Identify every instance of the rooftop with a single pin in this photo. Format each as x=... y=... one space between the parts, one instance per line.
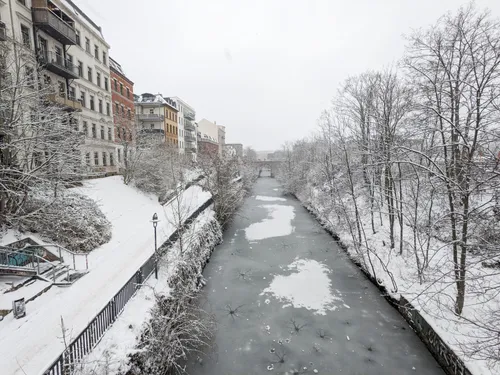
x=147 y=98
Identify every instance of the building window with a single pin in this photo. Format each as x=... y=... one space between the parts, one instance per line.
x=104 y=58
x=72 y=93
x=108 y=109
x=128 y=93
x=123 y=111
x=124 y=135
x=89 y=74
x=151 y=111
x=22 y=2
x=119 y=156
x=117 y=109
x=96 y=158
x=111 y=161
x=109 y=134
x=98 y=79
x=116 y=85
x=77 y=37
x=102 y=131
x=85 y=128
x=92 y=105
x=30 y=77
x=104 y=159
x=25 y=32
x=80 y=69
x=82 y=99
x=96 y=52
x=129 y=114
x=106 y=84
x=152 y=126
x=100 y=106
x=118 y=134
x=87 y=158
x=87 y=45
x=121 y=88
x=94 y=131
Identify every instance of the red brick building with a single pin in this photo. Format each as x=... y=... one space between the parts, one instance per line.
x=122 y=95
x=207 y=145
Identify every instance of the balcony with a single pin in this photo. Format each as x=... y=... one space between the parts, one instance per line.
x=189 y=137
x=58 y=65
x=188 y=125
x=150 y=117
x=189 y=115
x=54 y=22
x=191 y=147
x=67 y=102
x=153 y=131
x=3 y=32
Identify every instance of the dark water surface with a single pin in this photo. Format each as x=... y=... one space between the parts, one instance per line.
x=355 y=332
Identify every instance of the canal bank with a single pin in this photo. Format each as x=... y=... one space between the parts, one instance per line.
x=288 y=300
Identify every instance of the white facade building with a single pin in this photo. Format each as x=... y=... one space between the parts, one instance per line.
x=187 y=127
x=90 y=55
x=209 y=129
x=71 y=49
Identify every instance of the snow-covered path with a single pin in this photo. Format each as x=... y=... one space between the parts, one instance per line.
x=301 y=306
x=31 y=344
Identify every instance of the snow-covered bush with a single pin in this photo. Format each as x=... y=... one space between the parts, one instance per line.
x=70 y=219
x=179 y=325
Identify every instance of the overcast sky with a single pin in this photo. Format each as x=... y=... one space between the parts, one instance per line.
x=265 y=69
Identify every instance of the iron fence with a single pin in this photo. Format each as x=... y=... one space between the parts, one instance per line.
x=93 y=333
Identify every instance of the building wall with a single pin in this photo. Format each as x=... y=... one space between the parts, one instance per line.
x=207 y=148
x=99 y=151
x=171 y=126
x=209 y=128
x=185 y=144
x=123 y=111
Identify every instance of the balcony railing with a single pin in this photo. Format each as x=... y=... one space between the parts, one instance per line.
x=3 y=32
x=52 y=24
x=68 y=102
x=153 y=131
x=189 y=115
x=189 y=138
x=58 y=65
x=191 y=146
x=150 y=117
x=188 y=125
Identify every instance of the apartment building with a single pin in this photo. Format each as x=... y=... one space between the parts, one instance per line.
x=171 y=122
x=122 y=95
x=150 y=115
x=187 y=127
x=73 y=53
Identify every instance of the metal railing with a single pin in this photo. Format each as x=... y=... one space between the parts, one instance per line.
x=150 y=117
x=23 y=260
x=189 y=115
x=188 y=125
x=49 y=21
x=58 y=62
x=93 y=333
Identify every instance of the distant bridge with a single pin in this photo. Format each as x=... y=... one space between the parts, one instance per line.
x=271 y=165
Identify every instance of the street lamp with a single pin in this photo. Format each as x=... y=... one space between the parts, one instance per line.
x=155 y=224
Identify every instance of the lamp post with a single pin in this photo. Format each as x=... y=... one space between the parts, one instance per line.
x=155 y=223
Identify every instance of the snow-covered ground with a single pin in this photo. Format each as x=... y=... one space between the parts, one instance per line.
x=110 y=355
x=434 y=297
x=29 y=345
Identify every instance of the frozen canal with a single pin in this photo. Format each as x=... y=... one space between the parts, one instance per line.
x=299 y=305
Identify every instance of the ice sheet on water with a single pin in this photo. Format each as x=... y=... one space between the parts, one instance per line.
x=277 y=224
x=309 y=287
x=269 y=199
